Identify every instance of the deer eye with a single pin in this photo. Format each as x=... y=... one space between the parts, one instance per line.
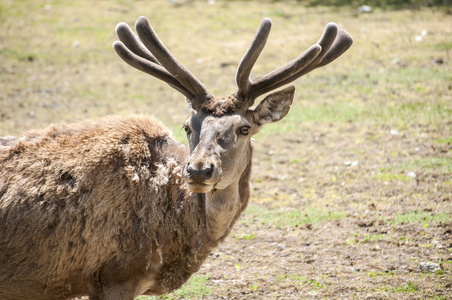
x=187 y=129
x=245 y=130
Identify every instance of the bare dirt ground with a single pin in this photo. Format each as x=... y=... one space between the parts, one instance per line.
x=362 y=255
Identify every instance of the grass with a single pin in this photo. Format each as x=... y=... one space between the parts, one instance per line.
x=426 y=218
x=291 y=277
x=300 y=280
x=405 y=115
x=244 y=236
x=196 y=287
x=400 y=171
x=290 y=218
x=444 y=140
x=375 y=237
x=439 y=164
x=384 y=176
x=375 y=274
x=409 y=287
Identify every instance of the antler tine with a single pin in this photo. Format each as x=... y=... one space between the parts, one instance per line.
x=337 y=45
x=266 y=83
x=170 y=63
x=150 y=68
x=330 y=46
x=144 y=62
x=130 y=40
x=341 y=43
x=251 y=55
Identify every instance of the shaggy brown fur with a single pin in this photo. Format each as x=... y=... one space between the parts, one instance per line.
x=223 y=106
x=92 y=204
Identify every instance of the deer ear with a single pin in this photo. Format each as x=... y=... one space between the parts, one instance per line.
x=274 y=107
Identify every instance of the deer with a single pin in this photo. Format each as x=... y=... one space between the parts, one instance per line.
x=115 y=207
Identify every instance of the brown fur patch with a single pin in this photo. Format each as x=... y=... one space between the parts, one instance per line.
x=221 y=106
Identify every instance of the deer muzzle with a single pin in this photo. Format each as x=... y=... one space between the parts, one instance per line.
x=201 y=176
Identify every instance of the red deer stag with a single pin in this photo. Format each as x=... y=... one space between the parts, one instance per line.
x=115 y=208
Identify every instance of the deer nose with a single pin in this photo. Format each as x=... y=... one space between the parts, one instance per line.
x=200 y=175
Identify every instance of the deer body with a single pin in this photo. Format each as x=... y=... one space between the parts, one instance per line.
x=114 y=208
x=158 y=231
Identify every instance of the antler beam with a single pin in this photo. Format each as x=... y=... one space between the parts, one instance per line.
x=150 y=55
x=250 y=57
x=330 y=46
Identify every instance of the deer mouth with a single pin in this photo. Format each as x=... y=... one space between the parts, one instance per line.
x=197 y=187
x=200 y=179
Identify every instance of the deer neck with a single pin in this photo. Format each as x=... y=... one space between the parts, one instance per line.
x=205 y=220
x=223 y=207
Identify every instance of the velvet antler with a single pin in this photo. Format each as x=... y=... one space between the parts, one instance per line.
x=333 y=43
x=149 y=54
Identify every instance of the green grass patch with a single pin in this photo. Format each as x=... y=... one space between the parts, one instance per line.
x=300 y=280
x=384 y=176
x=352 y=241
x=446 y=140
x=444 y=297
x=375 y=237
x=291 y=277
x=409 y=287
x=374 y=274
x=442 y=46
x=416 y=75
x=428 y=164
x=392 y=112
x=426 y=218
x=18 y=54
x=244 y=236
x=284 y=217
x=406 y=114
x=326 y=113
x=196 y=287
x=443 y=164
x=316 y=284
x=367 y=238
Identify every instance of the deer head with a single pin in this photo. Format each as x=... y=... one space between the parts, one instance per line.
x=220 y=129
